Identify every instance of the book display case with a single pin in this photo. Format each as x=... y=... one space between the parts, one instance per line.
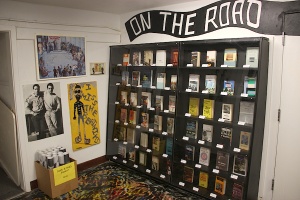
x=191 y=113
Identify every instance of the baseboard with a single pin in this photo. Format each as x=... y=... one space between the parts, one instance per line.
x=80 y=167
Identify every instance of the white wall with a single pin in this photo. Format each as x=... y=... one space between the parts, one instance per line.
x=29 y=20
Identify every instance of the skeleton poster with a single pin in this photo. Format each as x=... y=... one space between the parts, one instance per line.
x=83 y=106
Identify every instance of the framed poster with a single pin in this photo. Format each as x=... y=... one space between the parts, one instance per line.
x=60 y=56
x=97 y=68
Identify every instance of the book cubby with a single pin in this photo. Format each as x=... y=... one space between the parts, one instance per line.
x=171 y=104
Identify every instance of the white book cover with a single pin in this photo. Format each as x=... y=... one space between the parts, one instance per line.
x=210 y=83
x=211 y=58
x=207 y=132
x=204 y=156
x=252 y=56
x=136 y=58
x=161 y=80
x=227 y=110
x=161 y=58
x=246 y=112
x=144 y=140
x=194 y=82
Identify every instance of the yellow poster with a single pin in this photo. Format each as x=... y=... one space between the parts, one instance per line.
x=83 y=106
x=64 y=173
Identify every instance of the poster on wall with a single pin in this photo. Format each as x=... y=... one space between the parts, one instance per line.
x=60 y=57
x=83 y=107
x=43 y=110
x=97 y=68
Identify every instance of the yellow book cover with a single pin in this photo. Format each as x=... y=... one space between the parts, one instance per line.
x=245 y=140
x=220 y=185
x=208 y=108
x=203 y=179
x=194 y=106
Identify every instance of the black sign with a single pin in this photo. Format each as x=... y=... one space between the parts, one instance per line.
x=263 y=17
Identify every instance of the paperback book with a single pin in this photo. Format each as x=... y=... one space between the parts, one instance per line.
x=155 y=163
x=246 y=112
x=122 y=151
x=211 y=58
x=174 y=57
x=146 y=78
x=191 y=129
x=148 y=58
x=245 y=138
x=130 y=135
x=159 y=103
x=132 y=117
x=125 y=77
x=252 y=56
x=207 y=132
x=170 y=125
x=131 y=154
x=189 y=153
x=123 y=115
x=240 y=164
x=195 y=58
x=220 y=185
x=230 y=57
x=172 y=103
x=144 y=140
x=222 y=162
x=161 y=80
x=210 y=83
x=133 y=99
x=157 y=122
x=250 y=86
x=194 y=106
x=136 y=58
x=124 y=97
x=145 y=120
x=126 y=57
x=188 y=174
x=227 y=112
x=229 y=87
x=204 y=156
x=169 y=146
x=135 y=81
x=203 y=179
x=146 y=100
x=226 y=136
x=173 y=84
x=208 y=108
x=194 y=82
x=142 y=158
x=161 y=58
x=237 y=191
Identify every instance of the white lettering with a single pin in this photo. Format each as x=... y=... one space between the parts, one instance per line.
x=227 y=14
x=144 y=21
x=177 y=24
x=135 y=32
x=207 y=21
x=188 y=24
x=165 y=18
x=254 y=25
x=234 y=12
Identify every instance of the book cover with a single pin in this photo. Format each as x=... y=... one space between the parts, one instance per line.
x=145 y=120
x=227 y=112
x=135 y=81
x=188 y=174
x=222 y=162
x=226 y=136
x=230 y=57
x=208 y=108
x=240 y=164
x=159 y=103
x=133 y=99
x=246 y=112
x=156 y=144
x=252 y=54
x=146 y=99
x=161 y=80
x=126 y=57
x=136 y=58
x=169 y=146
x=211 y=58
x=155 y=163
x=132 y=117
x=174 y=57
x=170 y=125
x=161 y=58
x=195 y=58
x=194 y=106
x=148 y=58
x=123 y=134
x=245 y=138
x=117 y=131
x=237 y=191
x=130 y=135
x=172 y=103
x=123 y=97
x=229 y=87
x=143 y=158
x=131 y=154
x=191 y=129
x=144 y=140
x=146 y=78
x=125 y=77
x=250 y=86
x=173 y=84
x=207 y=132
x=203 y=179
x=194 y=82
x=204 y=156
x=220 y=185
x=122 y=151
x=123 y=116
x=157 y=122
x=189 y=153
x=210 y=83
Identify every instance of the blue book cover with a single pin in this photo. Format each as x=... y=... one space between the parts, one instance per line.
x=228 y=87
x=146 y=79
x=169 y=146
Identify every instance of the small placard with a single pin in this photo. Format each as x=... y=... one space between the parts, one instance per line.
x=189 y=65
x=188 y=114
x=139 y=86
x=148 y=171
x=201 y=142
x=119 y=65
x=162 y=176
x=167 y=88
x=198 y=166
x=164 y=133
x=237 y=150
x=138 y=106
x=153 y=65
x=136 y=146
x=220 y=146
x=165 y=155
x=234 y=176
x=151 y=108
x=117 y=102
x=141 y=64
x=188 y=90
x=244 y=95
x=117 y=121
x=185 y=138
x=224 y=93
x=181 y=184
x=151 y=130
x=216 y=171
x=204 y=65
x=166 y=111
x=183 y=161
x=204 y=91
x=135 y=166
x=246 y=66
x=241 y=123
x=116 y=139
x=128 y=85
x=224 y=66
x=153 y=87
x=201 y=117
x=115 y=157
x=169 y=65
x=126 y=104
x=213 y=195
x=149 y=150
x=196 y=189
x=138 y=127
x=221 y=120
x=118 y=83
x=129 y=64
x=125 y=123
x=125 y=142
x=124 y=161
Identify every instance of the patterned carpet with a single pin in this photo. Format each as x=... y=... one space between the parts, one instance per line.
x=111 y=181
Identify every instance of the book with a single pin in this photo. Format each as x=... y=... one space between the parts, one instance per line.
x=246 y=112
x=123 y=116
x=130 y=135
x=226 y=136
x=122 y=150
x=148 y=58
x=188 y=174
x=132 y=117
x=211 y=58
x=169 y=146
x=157 y=122
x=145 y=120
x=204 y=156
x=191 y=129
x=123 y=134
x=156 y=144
x=220 y=185
x=170 y=125
x=146 y=78
x=161 y=80
x=240 y=164
x=222 y=162
x=126 y=57
x=142 y=158
x=159 y=103
x=194 y=106
x=230 y=57
x=237 y=191
x=208 y=108
x=227 y=111
x=194 y=82
x=133 y=99
x=125 y=77
x=172 y=103
x=155 y=163
x=144 y=140
x=131 y=154
x=173 y=84
x=189 y=152
x=250 y=86
x=135 y=80
x=161 y=58
x=228 y=87
x=210 y=83
x=136 y=58
x=195 y=58
x=203 y=179
x=245 y=138
x=123 y=97
x=207 y=132
x=174 y=57
x=252 y=54
x=146 y=100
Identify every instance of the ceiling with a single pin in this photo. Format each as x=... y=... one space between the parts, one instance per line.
x=108 y=6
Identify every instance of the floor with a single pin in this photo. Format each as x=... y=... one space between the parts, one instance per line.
x=8 y=188
x=111 y=181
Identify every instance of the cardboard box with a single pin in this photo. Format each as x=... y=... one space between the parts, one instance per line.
x=57 y=181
